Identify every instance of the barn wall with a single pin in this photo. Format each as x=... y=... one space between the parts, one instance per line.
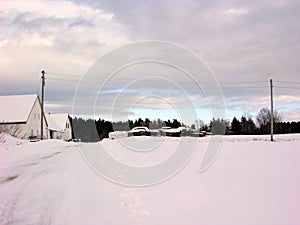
x=68 y=130
x=34 y=122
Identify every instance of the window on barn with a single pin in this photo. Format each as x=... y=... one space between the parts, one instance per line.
x=34 y=116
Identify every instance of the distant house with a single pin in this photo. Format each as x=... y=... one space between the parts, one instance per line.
x=59 y=126
x=20 y=116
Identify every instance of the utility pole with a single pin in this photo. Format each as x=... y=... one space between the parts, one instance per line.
x=42 y=108
x=272 y=116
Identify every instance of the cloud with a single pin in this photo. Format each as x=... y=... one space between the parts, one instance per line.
x=57 y=36
x=287 y=105
x=240 y=41
x=236 y=11
x=291 y=115
x=55 y=9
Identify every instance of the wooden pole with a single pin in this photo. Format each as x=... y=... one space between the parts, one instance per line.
x=272 y=116
x=42 y=108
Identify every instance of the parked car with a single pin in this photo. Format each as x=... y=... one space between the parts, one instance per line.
x=139 y=131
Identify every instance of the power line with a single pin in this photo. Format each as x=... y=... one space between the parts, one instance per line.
x=68 y=77
x=158 y=84
x=246 y=87
x=62 y=79
x=287 y=87
x=287 y=82
x=77 y=76
x=64 y=74
x=119 y=81
x=244 y=82
x=65 y=77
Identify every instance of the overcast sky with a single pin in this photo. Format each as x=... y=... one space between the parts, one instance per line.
x=244 y=43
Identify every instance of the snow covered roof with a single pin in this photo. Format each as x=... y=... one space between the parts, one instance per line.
x=16 y=108
x=57 y=122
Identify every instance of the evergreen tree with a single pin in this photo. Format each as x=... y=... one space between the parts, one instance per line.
x=244 y=125
x=251 y=127
x=236 y=127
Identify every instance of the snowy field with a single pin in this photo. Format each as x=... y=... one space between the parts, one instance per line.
x=251 y=182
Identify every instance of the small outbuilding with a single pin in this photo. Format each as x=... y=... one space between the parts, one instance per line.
x=59 y=126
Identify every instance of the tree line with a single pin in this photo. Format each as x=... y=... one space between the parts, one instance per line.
x=94 y=130
x=89 y=130
x=246 y=125
x=263 y=119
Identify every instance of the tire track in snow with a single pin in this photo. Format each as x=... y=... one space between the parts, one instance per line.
x=23 y=183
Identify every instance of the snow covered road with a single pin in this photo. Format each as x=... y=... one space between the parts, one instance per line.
x=252 y=181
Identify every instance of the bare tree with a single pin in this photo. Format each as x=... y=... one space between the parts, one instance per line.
x=199 y=124
x=264 y=119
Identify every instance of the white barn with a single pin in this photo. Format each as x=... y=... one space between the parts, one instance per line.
x=20 y=116
x=59 y=126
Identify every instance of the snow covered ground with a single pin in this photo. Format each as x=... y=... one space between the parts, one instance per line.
x=252 y=181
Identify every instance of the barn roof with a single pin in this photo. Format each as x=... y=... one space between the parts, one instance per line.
x=57 y=122
x=16 y=108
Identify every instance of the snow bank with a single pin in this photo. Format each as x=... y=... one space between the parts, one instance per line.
x=118 y=134
x=8 y=142
x=252 y=181
x=247 y=138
